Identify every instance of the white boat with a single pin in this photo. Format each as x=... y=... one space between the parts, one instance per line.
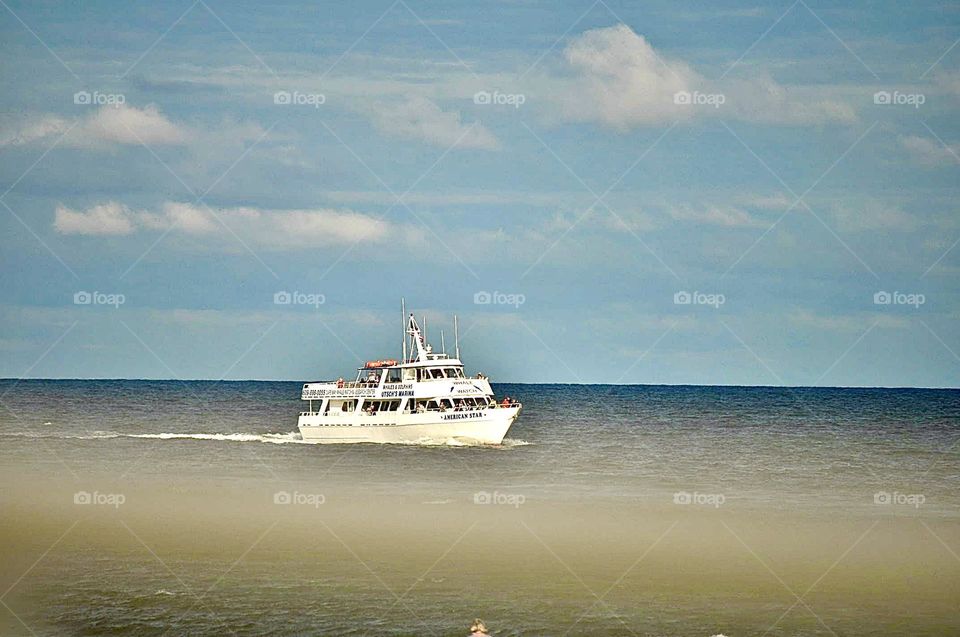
x=423 y=399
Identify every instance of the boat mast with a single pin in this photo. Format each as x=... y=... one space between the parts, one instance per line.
x=443 y=345
x=418 y=343
x=456 y=336
x=403 y=319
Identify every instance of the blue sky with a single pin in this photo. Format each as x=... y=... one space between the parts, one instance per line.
x=589 y=163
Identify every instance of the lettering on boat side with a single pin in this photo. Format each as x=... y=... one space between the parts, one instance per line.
x=396 y=390
x=462 y=415
x=315 y=393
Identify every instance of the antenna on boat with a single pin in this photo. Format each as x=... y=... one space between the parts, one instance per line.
x=456 y=336
x=424 y=330
x=403 y=319
x=443 y=346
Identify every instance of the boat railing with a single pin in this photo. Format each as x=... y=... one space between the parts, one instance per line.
x=337 y=413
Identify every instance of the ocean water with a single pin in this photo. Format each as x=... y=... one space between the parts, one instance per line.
x=193 y=508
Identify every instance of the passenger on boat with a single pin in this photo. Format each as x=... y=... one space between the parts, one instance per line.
x=340 y=383
x=478 y=629
x=505 y=402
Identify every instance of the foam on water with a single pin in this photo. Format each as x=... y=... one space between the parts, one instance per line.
x=277 y=439
x=290 y=437
x=274 y=438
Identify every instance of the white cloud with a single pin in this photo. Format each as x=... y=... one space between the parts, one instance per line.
x=949 y=82
x=266 y=228
x=622 y=82
x=929 y=151
x=845 y=322
x=32 y=130
x=762 y=99
x=110 y=218
x=419 y=118
x=777 y=201
x=186 y=218
x=712 y=214
x=104 y=127
x=872 y=215
x=130 y=125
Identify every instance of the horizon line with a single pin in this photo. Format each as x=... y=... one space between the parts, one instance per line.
x=270 y=380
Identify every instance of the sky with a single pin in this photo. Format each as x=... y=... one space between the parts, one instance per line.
x=603 y=192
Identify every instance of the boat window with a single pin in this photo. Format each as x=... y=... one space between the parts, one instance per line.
x=410 y=374
x=372 y=407
x=436 y=373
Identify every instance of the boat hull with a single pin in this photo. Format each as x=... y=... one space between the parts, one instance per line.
x=471 y=427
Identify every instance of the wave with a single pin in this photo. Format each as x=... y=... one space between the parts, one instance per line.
x=290 y=437
x=277 y=439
